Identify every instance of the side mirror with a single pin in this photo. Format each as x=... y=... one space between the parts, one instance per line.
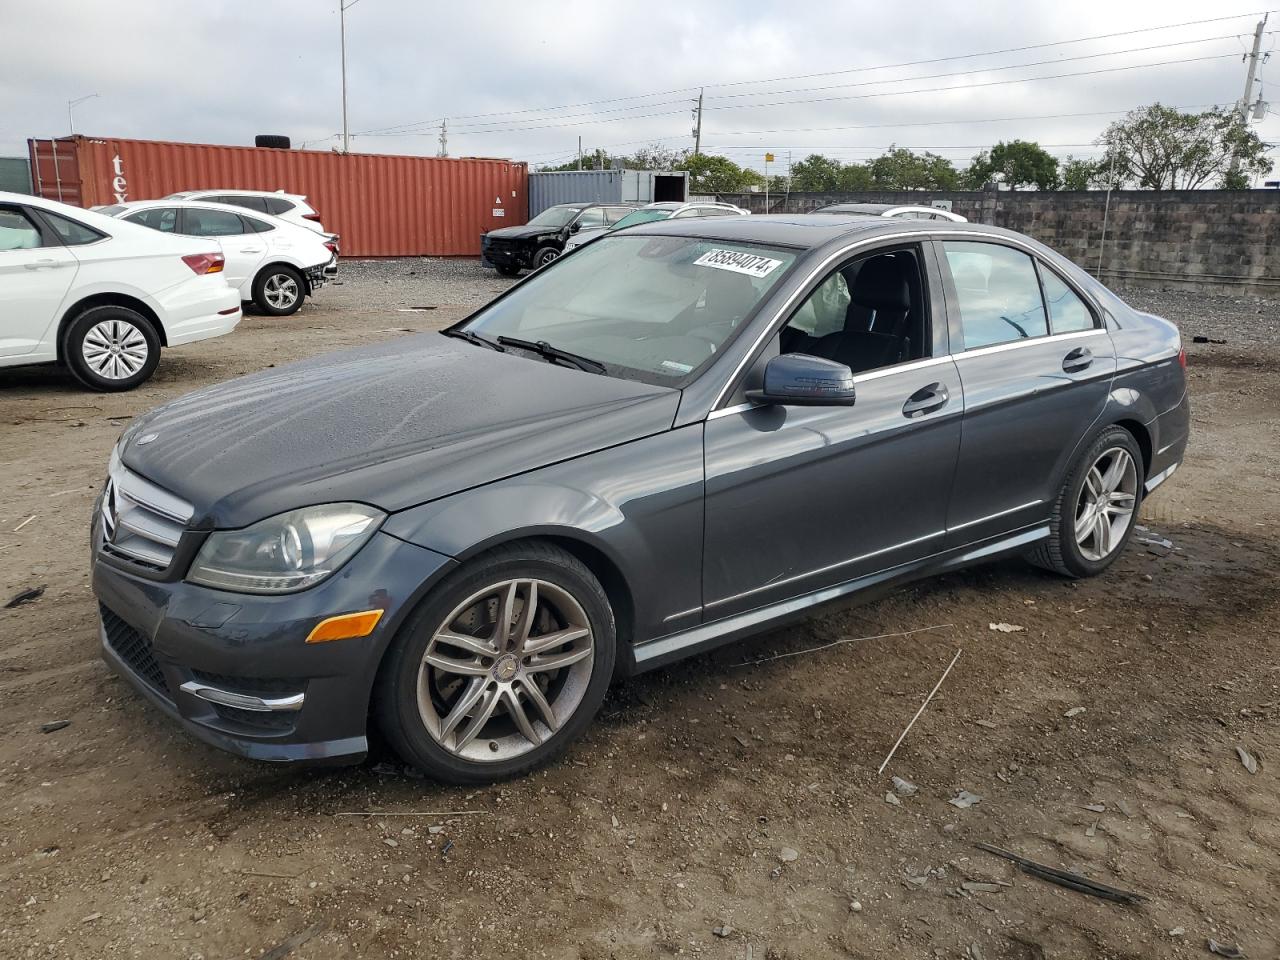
x=797 y=379
x=577 y=225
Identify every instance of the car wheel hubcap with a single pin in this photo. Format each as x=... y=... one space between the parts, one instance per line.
x=1107 y=503
x=115 y=349
x=505 y=670
x=547 y=258
x=281 y=291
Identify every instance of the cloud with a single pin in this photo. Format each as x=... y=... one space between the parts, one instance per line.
x=221 y=73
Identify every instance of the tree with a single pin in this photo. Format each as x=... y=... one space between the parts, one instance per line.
x=900 y=169
x=656 y=156
x=855 y=177
x=1162 y=148
x=1018 y=163
x=591 y=160
x=712 y=174
x=1080 y=173
x=816 y=174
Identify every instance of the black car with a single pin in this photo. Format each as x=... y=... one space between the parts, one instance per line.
x=686 y=432
x=542 y=239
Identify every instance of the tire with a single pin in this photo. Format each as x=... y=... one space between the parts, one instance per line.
x=111 y=348
x=420 y=702
x=272 y=140
x=1101 y=470
x=509 y=271
x=279 y=290
x=544 y=256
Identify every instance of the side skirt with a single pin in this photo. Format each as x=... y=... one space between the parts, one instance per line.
x=708 y=636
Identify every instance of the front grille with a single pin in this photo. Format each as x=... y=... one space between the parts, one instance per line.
x=275 y=721
x=134 y=649
x=141 y=522
x=253 y=686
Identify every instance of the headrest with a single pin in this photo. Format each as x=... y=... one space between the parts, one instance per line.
x=881 y=284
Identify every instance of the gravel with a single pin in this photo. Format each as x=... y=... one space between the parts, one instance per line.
x=1245 y=323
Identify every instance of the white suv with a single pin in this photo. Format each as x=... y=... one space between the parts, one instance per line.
x=102 y=296
x=287 y=206
x=272 y=262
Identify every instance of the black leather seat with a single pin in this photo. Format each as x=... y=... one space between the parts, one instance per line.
x=879 y=304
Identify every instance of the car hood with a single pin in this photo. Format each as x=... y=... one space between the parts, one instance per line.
x=391 y=425
x=522 y=232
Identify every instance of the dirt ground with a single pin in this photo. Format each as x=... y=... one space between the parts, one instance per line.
x=724 y=808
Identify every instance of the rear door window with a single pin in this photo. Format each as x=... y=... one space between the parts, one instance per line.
x=998 y=293
x=17 y=232
x=1067 y=312
x=211 y=223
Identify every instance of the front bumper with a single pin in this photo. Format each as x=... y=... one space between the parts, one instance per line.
x=499 y=254
x=175 y=642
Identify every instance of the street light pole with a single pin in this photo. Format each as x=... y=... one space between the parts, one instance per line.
x=71 y=117
x=343 y=7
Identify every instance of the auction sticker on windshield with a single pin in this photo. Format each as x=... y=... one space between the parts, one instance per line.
x=737 y=261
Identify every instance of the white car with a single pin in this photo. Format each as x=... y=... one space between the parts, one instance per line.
x=100 y=296
x=287 y=206
x=273 y=263
x=662 y=210
x=897 y=211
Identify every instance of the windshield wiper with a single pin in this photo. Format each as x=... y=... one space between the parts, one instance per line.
x=544 y=349
x=475 y=338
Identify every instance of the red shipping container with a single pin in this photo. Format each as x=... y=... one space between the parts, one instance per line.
x=383 y=206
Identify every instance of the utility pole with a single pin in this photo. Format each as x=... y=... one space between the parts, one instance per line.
x=787 y=202
x=343 y=7
x=1246 y=103
x=697 y=126
x=444 y=139
x=71 y=119
x=579 y=153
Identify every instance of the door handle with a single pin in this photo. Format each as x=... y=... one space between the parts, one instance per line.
x=42 y=264
x=1078 y=359
x=926 y=400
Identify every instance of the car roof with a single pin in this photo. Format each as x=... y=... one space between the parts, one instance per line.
x=807 y=231
x=239 y=193
x=872 y=208
x=131 y=205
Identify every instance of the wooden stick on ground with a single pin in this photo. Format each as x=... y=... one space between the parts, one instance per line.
x=412 y=813
x=1064 y=878
x=931 y=695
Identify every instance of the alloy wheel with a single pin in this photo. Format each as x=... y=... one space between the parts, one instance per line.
x=114 y=349
x=1107 y=503
x=547 y=257
x=505 y=670
x=281 y=291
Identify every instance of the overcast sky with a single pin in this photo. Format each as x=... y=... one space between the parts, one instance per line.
x=525 y=80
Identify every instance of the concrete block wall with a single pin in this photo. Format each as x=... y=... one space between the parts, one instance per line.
x=1213 y=241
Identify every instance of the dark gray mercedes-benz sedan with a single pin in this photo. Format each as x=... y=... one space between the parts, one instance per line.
x=669 y=439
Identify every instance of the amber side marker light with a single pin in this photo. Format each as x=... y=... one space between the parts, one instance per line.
x=347 y=626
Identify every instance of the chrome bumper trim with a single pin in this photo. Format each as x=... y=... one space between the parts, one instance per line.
x=242 y=701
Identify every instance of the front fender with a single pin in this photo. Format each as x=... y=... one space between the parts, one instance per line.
x=638 y=505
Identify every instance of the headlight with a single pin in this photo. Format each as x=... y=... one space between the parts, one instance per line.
x=288 y=552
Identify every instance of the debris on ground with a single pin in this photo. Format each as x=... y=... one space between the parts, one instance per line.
x=1156 y=544
x=1065 y=878
x=980 y=886
x=1006 y=627
x=964 y=800
x=286 y=947
x=1095 y=807
x=25 y=596
x=1074 y=712
x=787 y=854
x=902 y=736
x=54 y=725
x=24 y=523
x=891 y=798
x=904 y=788
x=986 y=723
x=855 y=906
x=1177 y=931
x=1248 y=759
x=1201 y=338
x=974 y=952
x=724 y=930
x=1229 y=950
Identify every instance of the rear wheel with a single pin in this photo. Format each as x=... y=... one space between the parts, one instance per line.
x=279 y=290
x=112 y=348
x=501 y=667
x=1095 y=512
x=544 y=256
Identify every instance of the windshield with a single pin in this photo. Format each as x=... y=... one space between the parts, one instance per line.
x=648 y=308
x=641 y=216
x=554 y=217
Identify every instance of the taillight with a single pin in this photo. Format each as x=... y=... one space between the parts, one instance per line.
x=202 y=263
x=331 y=247
x=1182 y=358
x=311 y=216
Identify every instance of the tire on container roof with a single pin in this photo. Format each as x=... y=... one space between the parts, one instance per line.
x=274 y=141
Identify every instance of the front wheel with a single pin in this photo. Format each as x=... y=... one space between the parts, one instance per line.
x=112 y=348
x=544 y=256
x=501 y=667
x=279 y=290
x=1094 y=514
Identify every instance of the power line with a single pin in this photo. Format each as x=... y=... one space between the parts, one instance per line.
x=807 y=76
